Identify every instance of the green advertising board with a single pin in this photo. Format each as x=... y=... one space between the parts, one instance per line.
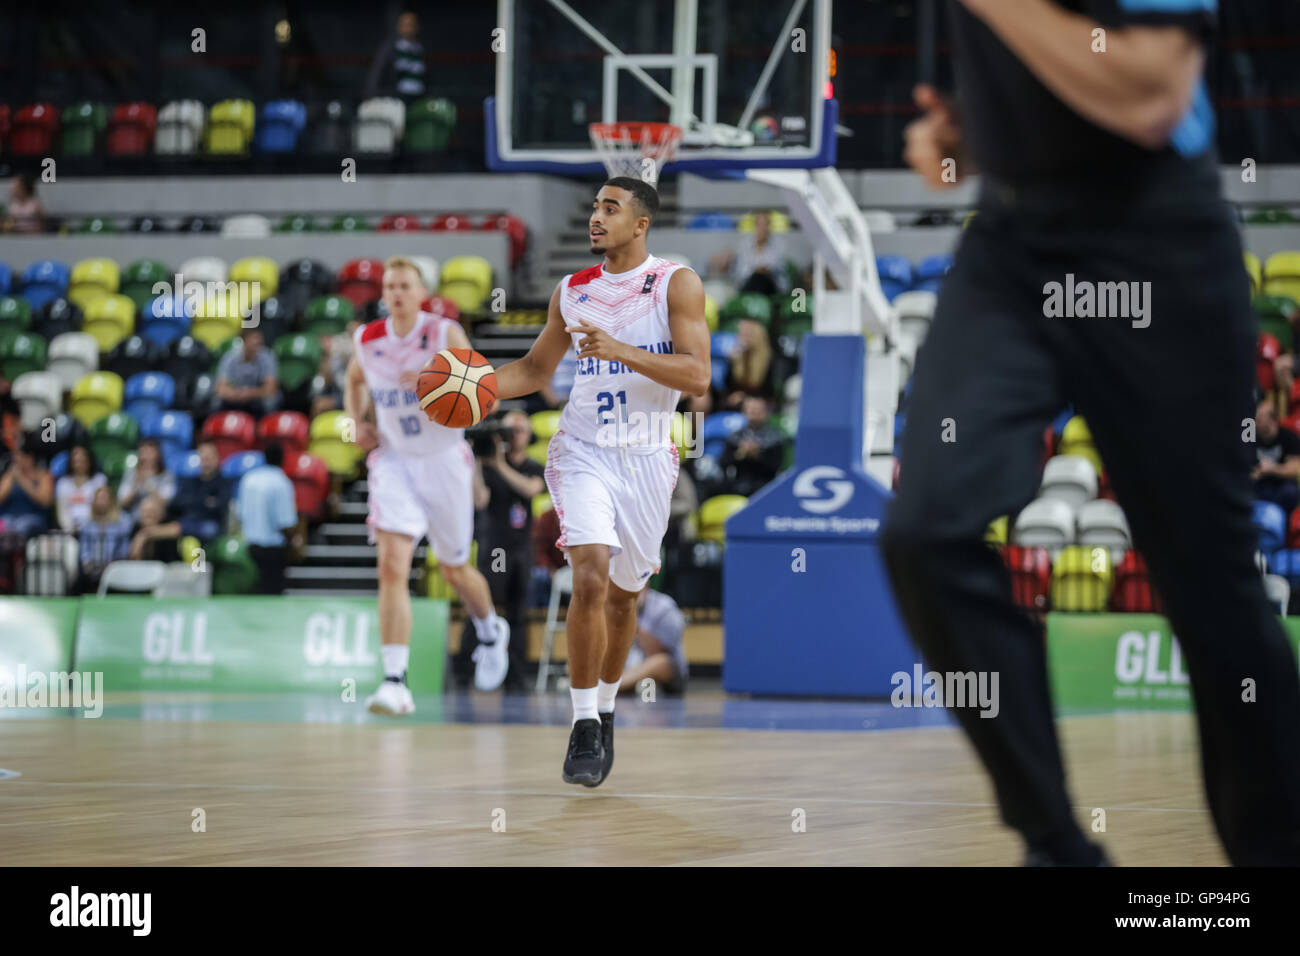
x=1107 y=662
x=252 y=644
x=37 y=633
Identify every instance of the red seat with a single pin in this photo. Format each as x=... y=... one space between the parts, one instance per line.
x=4 y=126
x=515 y=228
x=311 y=483
x=1104 y=489
x=131 y=129
x=450 y=222
x=361 y=281
x=232 y=431
x=440 y=306
x=34 y=129
x=1267 y=349
x=398 y=222
x=1133 y=592
x=290 y=429
x=1031 y=576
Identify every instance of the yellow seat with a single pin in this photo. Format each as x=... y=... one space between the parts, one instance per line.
x=537 y=451
x=1282 y=274
x=541 y=504
x=217 y=319
x=260 y=272
x=545 y=423
x=1256 y=273
x=682 y=433
x=230 y=127
x=778 y=220
x=1082 y=578
x=435 y=584
x=711 y=520
x=85 y=296
x=109 y=320
x=100 y=272
x=467 y=281
x=188 y=548
x=996 y=533
x=332 y=440
x=95 y=396
x=1076 y=432
x=711 y=313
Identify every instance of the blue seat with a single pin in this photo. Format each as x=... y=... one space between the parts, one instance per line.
x=900 y=422
x=173 y=429
x=149 y=394
x=723 y=425
x=165 y=319
x=895 y=275
x=6 y=279
x=1270 y=522
x=1287 y=564
x=280 y=125
x=712 y=220
x=237 y=464
x=45 y=281
x=720 y=368
x=1058 y=426
x=721 y=345
x=183 y=464
x=59 y=465
x=930 y=272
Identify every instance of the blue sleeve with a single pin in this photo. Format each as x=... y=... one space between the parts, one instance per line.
x=1199 y=17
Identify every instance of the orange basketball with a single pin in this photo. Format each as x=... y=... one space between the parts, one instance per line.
x=457 y=388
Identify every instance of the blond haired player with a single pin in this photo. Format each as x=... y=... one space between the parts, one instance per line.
x=420 y=477
x=637 y=323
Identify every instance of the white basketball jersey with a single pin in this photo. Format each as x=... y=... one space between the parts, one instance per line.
x=610 y=404
x=404 y=429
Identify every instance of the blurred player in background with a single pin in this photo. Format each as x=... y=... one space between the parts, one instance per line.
x=1098 y=172
x=637 y=324
x=420 y=479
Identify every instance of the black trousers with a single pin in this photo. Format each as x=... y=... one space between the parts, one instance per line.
x=510 y=595
x=270 y=568
x=1165 y=404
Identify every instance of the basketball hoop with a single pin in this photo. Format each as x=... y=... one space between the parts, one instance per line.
x=638 y=150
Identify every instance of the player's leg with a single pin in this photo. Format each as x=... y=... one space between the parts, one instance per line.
x=986 y=387
x=492 y=631
x=394 y=551
x=586 y=636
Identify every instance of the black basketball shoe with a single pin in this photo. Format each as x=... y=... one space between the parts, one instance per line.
x=607 y=746
x=584 y=761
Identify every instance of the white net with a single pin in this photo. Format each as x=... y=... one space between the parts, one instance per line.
x=638 y=150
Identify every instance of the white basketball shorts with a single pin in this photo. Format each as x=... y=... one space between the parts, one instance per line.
x=608 y=496
x=423 y=495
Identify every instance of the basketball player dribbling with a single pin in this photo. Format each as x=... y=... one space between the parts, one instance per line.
x=637 y=324
x=420 y=476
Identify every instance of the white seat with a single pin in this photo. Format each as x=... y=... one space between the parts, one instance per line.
x=1278 y=590
x=561 y=584
x=137 y=576
x=72 y=356
x=180 y=128
x=1045 y=523
x=915 y=312
x=379 y=125
x=428 y=267
x=203 y=269
x=52 y=561
x=908 y=345
x=880 y=220
x=720 y=290
x=1102 y=524
x=180 y=579
x=39 y=396
x=250 y=226
x=1070 y=478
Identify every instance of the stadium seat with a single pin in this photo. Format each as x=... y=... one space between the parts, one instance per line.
x=1293 y=530
x=291 y=430
x=711 y=519
x=996 y=532
x=1282 y=275
x=299 y=358
x=131 y=129
x=1082 y=579
x=717 y=428
x=230 y=128
x=20 y=353
x=915 y=312
x=747 y=305
x=149 y=393
x=1101 y=523
x=165 y=319
x=451 y=222
x=260 y=272
x=1275 y=313
x=95 y=396
x=540 y=504
x=83 y=128
x=114 y=437
x=711 y=313
x=545 y=423
x=296 y=224
x=1278 y=590
x=777 y=220
x=1286 y=563
x=110 y=320
x=199 y=224
x=180 y=128
x=361 y=281
x=930 y=272
x=187 y=358
x=39 y=397
x=398 y=222
x=233 y=570
x=712 y=221
x=133 y=356
x=895 y=275
x=1256 y=273
x=15 y=314
x=1267 y=350
x=173 y=429
x=59 y=465
x=538 y=451
x=233 y=432
x=6 y=279
x=429 y=123
x=282 y=122
x=328 y=315
x=140 y=278
x=1031 y=575
x=33 y=130
x=349 y=224
x=71 y=357
x=202 y=269
x=1270 y=524
x=44 y=281
x=515 y=228
x=303 y=280
x=1076 y=440
x=247 y=226
x=217 y=320
x=331 y=435
x=99 y=274
x=184 y=463
x=466 y=281
x=1272 y=216
x=1070 y=478
x=1044 y=523
x=277 y=318
x=311 y=483
x=240 y=463
x=428 y=267
x=67 y=431
x=331 y=129
x=1133 y=592
x=380 y=125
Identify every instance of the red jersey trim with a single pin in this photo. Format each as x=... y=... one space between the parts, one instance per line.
x=585 y=276
x=374 y=330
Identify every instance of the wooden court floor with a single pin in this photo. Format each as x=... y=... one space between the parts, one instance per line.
x=126 y=792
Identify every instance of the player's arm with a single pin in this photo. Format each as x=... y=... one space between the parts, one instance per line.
x=688 y=367
x=1139 y=88
x=532 y=372
x=356 y=404
x=457 y=338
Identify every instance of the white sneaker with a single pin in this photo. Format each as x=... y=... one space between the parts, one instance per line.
x=391 y=699
x=491 y=660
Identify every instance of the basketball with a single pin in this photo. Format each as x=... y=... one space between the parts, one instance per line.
x=457 y=388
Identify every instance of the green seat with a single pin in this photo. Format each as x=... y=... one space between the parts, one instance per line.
x=1275 y=314
x=83 y=127
x=328 y=315
x=296 y=224
x=115 y=433
x=97 y=226
x=20 y=353
x=15 y=313
x=299 y=357
x=113 y=464
x=1271 y=217
x=350 y=224
x=233 y=570
x=140 y=277
x=747 y=305
x=429 y=123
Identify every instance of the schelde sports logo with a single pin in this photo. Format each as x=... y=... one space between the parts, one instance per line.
x=811 y=498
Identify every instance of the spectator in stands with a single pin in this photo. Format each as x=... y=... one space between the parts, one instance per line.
x=202 y=503
x=399 y=65
x=333 y=370
x=25 y=212
x=266 y=510
x=154 y=539
x=75 y=490
x=148 y=476
x=658 y=651
x=248 y=377
x=753 y=455
x=758 y=264
x=105 y=537
x=751 y=364
x=1277 y=450
x=26 y=492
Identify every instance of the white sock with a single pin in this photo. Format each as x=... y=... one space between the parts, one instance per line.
x=605 y=695
x=486 y=628
x=396 y=657
x=584 y=703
